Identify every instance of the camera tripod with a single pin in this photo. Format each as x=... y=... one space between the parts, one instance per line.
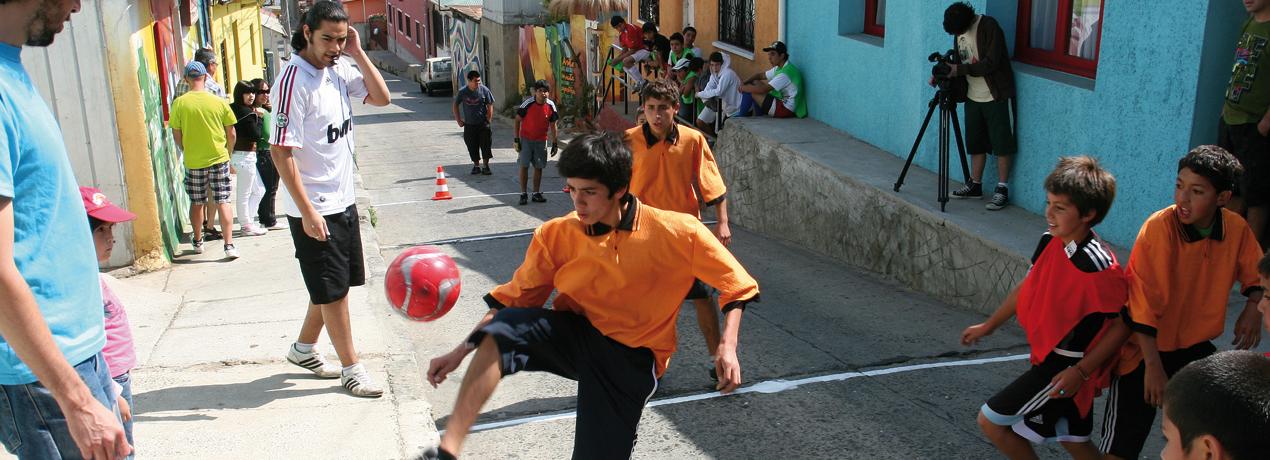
x=943 y=100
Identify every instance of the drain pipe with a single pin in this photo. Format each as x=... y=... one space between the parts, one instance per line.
x=780 y=17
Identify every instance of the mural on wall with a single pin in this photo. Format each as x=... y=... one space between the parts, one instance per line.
x=167 y=61
x=168 y=170
x=464 y=40
x=549 y=53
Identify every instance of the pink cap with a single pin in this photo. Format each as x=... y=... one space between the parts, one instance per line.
x=100 y=207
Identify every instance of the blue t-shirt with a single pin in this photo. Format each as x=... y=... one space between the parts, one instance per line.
x=53 y=246
x=474 y=105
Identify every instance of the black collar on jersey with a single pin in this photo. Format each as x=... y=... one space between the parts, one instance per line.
x=630 y=211
x=672 y=137
x=1190 y=233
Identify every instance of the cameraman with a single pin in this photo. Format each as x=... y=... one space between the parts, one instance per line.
x=984 y=63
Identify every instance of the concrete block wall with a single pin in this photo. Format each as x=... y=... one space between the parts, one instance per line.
x=830 y=193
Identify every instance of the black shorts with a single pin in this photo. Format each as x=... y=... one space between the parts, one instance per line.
x=1025 y=406
x=615 y=381
x=699 y=290
x=990 y=128
x=1126 y=424
x=479 y=139
x=1253 y=152
x=330 y=267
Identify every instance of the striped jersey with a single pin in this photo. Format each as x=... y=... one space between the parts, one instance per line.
x=314 y=116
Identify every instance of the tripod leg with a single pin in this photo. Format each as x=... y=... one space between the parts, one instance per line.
x=944 y=138
x=961 y=146
x=916 y=142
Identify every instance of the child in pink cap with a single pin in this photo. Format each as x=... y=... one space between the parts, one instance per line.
x=119 y=353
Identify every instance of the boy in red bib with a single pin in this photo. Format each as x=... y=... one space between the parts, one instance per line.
x=1071 y=304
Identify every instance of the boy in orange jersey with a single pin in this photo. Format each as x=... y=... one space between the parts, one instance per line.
x=620 y=269
x=1071 y=305
x=674 y=170
x=1185 y=261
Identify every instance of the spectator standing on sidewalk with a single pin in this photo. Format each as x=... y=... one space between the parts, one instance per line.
x=264 y=160
x=984 y=62
x=474 y=111
x=535 y=120
x=1244 y=126
x=248 y=190
x=52 y=327
x=203 y=126
x=313 y=151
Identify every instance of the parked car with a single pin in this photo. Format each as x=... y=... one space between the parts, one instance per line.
x=437 y=75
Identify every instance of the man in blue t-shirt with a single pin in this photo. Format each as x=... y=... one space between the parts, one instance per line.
x=51 y=319
x=474 y=111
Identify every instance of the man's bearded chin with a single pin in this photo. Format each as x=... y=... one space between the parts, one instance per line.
x=40 y=32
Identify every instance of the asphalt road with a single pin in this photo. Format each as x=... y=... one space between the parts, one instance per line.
x=821 y=326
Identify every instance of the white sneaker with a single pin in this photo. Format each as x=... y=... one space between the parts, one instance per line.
x=313 y=361
x=359 y=383
x=280 y=225
x=253 y=230
x=231 y=252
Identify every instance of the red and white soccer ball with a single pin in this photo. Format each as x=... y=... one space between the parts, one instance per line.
x=422 y=283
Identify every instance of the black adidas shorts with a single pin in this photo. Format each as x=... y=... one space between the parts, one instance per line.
x=699 y=290
x=1126 y=424
x=615 y=381
x=1025 y=406
x=330 y=267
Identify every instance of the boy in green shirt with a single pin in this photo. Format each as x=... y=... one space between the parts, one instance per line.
x=203 y=125
x=1245 y=123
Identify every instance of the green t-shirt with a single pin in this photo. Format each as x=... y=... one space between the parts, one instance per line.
x=1247 y=96
x=202 y=117
x=266 y=132
x=687 y=98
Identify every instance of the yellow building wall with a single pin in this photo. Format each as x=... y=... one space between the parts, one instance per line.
x=706 y=20
x=236 y=39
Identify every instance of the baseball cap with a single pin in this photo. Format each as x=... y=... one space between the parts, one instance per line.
x=778 y=46
x=195 y=69
x=681 y=64
x=100 y=207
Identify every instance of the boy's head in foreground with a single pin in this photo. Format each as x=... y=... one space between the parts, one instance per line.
x=597 y=168
x=1206 y=179
x=1219 y=408
x=1078 y=194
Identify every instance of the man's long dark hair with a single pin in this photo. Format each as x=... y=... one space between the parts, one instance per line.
x=323 y=10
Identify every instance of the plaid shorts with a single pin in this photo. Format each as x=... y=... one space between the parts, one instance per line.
x=215 y=177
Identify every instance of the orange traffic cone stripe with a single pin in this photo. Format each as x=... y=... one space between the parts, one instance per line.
x=443 y=190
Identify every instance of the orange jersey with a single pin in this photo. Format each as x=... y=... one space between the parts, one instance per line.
x=675 y=174
x=630 y=281
x=1180 y=281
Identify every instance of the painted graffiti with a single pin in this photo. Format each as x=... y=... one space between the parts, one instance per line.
x=464 y=46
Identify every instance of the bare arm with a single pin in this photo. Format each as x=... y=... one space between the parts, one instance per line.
x=377 y=90
x=180 y=140
x=231 y=137
x=95 y=430
x=727 y=364
x=489 y=114
x=1007 y=309
x=289 y=176
x=441 y=367
x=457 y=117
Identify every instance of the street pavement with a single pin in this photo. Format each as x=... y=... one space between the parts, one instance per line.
x=818 y=319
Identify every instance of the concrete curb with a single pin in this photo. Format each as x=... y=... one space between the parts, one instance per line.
x=415 y=427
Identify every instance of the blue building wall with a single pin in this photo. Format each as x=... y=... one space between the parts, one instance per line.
x=1161 y=76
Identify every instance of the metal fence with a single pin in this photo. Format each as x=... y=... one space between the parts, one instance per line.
x=648 y=10
x=736 y=23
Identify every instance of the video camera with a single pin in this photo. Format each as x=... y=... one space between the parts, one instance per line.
x=942 y=68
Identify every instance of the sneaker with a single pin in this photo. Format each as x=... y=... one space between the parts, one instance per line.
x=1000 y=198
x=198 y=246
x=253 y=230
x=210 y=233
x=971 y=190
x=435 y=453
x=476 y=170
x=279 y=225
x=538 y=198
x=486 y=171
x=313 y=361
x=359 y=383
x=524 y=199
x=231 y=252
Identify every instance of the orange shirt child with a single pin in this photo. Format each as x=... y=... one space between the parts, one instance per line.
x=677 y=174
x=629 y=281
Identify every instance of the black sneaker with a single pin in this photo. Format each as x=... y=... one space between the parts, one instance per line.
x=486 y=171
x=1000 y=198
x=476 y=170
x=971 y=190
x=538 y=198
x=524 y=199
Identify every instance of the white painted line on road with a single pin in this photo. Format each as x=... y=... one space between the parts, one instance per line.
x=399 y=203
x=766 y=387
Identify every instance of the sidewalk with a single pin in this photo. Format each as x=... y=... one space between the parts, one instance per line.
x=212 y=379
